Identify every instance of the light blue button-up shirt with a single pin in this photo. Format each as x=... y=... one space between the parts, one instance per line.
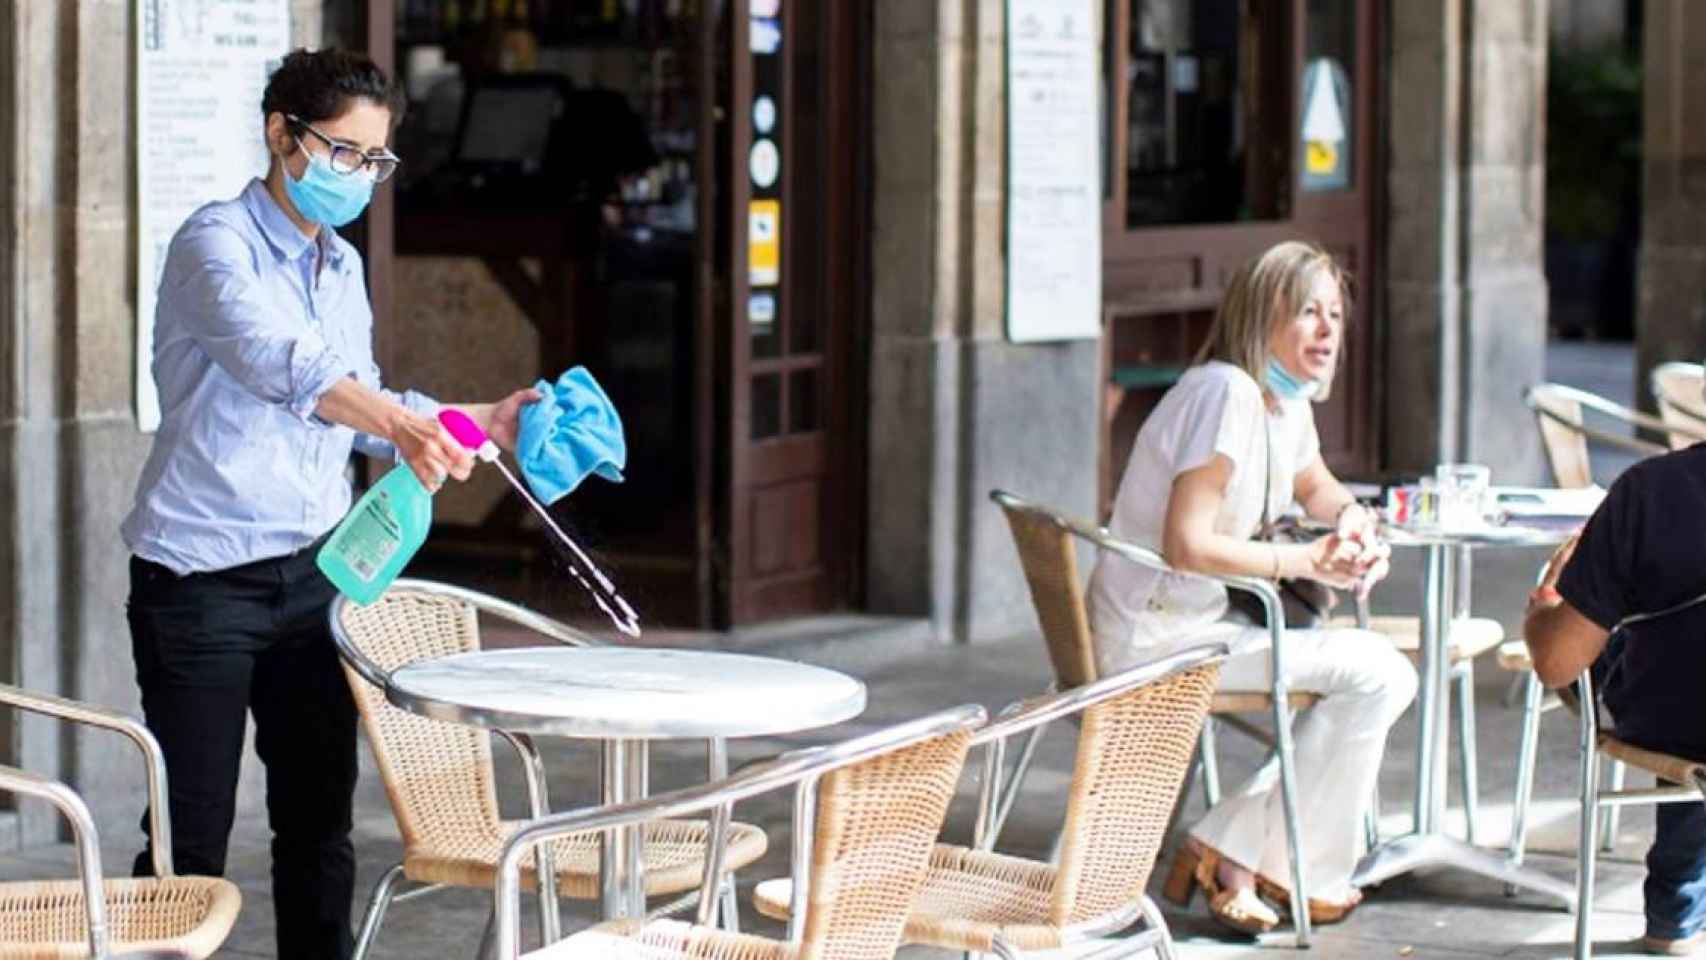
x=254 y=323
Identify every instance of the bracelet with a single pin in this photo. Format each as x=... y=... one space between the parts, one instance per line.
x=1274 y=549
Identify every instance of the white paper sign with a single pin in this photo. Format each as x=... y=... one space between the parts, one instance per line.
x=1054 y=185
x=201 y=66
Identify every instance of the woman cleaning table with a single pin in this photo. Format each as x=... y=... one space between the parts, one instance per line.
x=263 y=357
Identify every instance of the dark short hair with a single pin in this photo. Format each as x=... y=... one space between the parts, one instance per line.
x=318 y=85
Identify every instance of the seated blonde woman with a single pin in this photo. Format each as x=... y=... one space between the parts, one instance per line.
x=1229 y=448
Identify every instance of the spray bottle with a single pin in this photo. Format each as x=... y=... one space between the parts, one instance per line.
x=390 y=522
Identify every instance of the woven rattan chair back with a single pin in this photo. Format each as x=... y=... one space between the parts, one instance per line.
x=1133 y=753
x=1566 y=449
x=1050 y=559
x=876 y=824
x=438 y=776
x=1679 y=389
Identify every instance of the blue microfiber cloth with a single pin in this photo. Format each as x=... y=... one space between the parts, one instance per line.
x=572 y=432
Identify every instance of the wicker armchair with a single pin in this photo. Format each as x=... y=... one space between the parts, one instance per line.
x=1680 y=781
x=1048 y=553
x=1138 y=734
x=1679 y=389
x=1558 y=413
x=866 y=812
x=439 y=778
x=144 y=917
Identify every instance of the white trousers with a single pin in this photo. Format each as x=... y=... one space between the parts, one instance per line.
x=1365 y=684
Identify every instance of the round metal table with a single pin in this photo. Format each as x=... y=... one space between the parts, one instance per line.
x=625 y=697
x=1445 y=595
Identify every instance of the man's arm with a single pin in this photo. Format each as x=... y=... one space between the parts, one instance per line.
x=1561 y=641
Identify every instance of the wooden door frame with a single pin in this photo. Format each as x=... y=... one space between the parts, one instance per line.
x=839 y=218
x=723 y=416
x=713 y=300
x=1359 y=202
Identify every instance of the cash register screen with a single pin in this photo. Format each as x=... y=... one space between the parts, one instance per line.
x=509 y=125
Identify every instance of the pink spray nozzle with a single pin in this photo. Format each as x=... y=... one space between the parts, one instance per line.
x=468 y=433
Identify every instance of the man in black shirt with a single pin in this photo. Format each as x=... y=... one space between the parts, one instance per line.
x=1642 y=552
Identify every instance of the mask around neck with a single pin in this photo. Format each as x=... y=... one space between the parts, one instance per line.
x=1287 y=387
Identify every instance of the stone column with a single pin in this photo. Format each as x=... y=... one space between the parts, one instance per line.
x=1423 y=231
x=36 y=50
x=70 y=451
x=1466 y=296
x=956 y=410
x=915 y=407
x=1671 y=289
x=1504 y=221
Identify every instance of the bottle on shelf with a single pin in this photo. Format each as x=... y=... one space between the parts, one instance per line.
x=518 y=46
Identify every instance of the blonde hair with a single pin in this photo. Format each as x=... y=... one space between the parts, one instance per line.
x=1265 y=292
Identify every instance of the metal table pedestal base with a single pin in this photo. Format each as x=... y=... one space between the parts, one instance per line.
x=1418 y=850
x=1445 y=598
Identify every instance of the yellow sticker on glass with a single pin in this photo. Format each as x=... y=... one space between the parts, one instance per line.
x=1322 y=158
x=764 y=243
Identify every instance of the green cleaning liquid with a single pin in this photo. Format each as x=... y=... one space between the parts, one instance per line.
x=379 y=536
x=381 y=533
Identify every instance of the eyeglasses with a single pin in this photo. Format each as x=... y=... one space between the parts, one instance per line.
x=349 y=159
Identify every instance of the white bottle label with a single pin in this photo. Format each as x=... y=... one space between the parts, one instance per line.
x=372 y=539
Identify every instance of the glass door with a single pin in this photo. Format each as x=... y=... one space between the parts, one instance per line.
x=1333 y=76
x=1232 y=125
x=796 y=255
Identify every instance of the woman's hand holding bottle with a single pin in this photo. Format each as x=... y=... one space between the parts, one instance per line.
x=424 y=444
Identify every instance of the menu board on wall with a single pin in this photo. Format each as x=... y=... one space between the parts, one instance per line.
x=1054 y=184
x=201 y=66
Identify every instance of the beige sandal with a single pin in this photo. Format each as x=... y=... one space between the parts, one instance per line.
x=1321 y=912
x=1195 y=866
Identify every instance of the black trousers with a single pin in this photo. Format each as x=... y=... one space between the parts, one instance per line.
x=211 y=648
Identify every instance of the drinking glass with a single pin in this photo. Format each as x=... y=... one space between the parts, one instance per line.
x=1462 y=494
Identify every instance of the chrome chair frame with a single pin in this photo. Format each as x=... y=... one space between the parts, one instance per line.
x=1279 y=689
x=1689 y=414
x=76 y=812
x=1536 y=704
x=800 y=768
x=386 y=891
x=1534 y=397
x=1034 y=715
x=1593 y=799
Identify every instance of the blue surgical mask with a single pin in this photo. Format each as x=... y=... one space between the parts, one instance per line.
x=1287 y=387
x=326 y=196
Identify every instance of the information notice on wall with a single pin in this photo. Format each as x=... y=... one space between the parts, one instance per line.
x=201 y=67
x=1054 y=183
